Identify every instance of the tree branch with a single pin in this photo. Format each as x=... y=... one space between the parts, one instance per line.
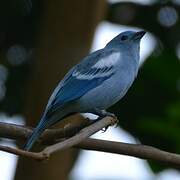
x=18 y=132
x=21 y=152
x=83 y=134
x=80 y=140
x=135 y=150
x=71 y=141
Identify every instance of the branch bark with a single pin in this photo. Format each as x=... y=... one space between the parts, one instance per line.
x=80 y=140
x=69 y=142
x=83 y=134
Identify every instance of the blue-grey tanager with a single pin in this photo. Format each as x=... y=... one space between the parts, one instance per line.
x=100 y=80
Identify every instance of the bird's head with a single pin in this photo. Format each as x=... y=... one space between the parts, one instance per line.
x=126 y=39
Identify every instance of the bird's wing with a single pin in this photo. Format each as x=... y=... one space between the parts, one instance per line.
x=85 y=76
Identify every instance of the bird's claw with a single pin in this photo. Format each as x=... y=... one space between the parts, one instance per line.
x=105 y=113
x=105 y=129
x=116 y=122
x=116 y=125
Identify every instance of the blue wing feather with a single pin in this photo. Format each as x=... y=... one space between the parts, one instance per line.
x=73 y=90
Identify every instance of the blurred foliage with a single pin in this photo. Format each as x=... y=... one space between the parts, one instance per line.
x=151 y=109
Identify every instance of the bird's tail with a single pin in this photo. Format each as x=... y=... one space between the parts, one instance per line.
x=43 y=124
x=35 y=135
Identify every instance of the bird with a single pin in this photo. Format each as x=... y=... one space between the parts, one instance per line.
x=97 y=82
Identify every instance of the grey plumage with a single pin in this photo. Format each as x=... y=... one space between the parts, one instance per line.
x=96 y=83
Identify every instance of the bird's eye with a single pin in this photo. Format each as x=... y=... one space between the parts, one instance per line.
x=123 y=38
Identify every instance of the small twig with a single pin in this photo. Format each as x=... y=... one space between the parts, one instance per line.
x=135 y=150
x=21 y=152
x=83 y=134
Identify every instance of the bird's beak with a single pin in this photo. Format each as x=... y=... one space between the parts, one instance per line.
x=138 y=35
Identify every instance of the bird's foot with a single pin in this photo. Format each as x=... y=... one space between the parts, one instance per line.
x=105 y=129
x=104 y=113
x=112 y=124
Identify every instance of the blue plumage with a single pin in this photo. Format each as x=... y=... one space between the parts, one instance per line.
x=75 y=89
x=97 y=82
